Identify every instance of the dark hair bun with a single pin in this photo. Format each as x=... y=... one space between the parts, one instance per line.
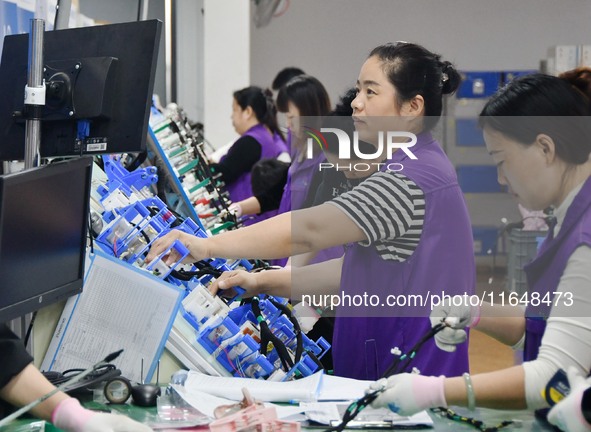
x=579 y=78
x=450 y=78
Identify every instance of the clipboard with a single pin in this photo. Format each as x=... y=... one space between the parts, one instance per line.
x=120 y=306
x=331 y=413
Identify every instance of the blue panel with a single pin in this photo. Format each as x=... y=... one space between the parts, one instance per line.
x=468 y=133
x=8 y=21
x=478 y=179
x=484 y=239
x=23 y=20
x=479 y=84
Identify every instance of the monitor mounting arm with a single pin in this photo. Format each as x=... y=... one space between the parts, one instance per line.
x=34 y=93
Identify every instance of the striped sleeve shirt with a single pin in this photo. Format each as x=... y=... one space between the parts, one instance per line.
x=390 y=209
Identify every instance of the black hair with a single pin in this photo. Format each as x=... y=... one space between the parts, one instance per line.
x=268 y=174
x=307 y=94
x=543 y=104
x=343 y=106
x=284 y=75
x=413 y=70
x=580 y=79
x=261 y=102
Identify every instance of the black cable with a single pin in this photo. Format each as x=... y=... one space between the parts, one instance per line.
x=155 y=210
x=137 y=161
x=394 y=370
x=30 y=328
x=315 y=359
x=90 y=233
x=260 y=265
x=478 y=424
x=357 y=406
x=268 y=336
x=184 y=275
x=57 y=378
x=353 y=409
x=296 y=325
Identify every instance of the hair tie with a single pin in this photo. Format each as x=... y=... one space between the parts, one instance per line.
x=444 y=77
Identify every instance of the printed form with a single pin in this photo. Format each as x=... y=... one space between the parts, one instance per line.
x=120 y=307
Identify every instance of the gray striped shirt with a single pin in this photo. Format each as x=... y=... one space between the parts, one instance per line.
x=390 y=209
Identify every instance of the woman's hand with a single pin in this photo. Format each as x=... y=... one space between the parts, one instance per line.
x=196 y=246
x=567 y=414
x=458 y=314
x=407 y=394
x=233 y=278
x=70 y=416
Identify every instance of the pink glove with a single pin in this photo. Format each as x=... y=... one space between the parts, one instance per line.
x=70 y=416
x=407 y=394
x=567 y=413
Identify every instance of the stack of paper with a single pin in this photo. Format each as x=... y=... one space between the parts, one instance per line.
x=204 y=392
x=331 y=413
x=303 y=390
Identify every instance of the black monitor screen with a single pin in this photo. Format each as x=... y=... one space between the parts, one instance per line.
x=99 y=82
x=43 y=230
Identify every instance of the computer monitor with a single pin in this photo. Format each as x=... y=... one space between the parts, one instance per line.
x=43 y=231
x=99 y=84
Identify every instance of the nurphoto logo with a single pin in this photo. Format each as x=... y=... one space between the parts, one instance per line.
x=391 y=141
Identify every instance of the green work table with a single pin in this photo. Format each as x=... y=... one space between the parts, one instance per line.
x=527 y=421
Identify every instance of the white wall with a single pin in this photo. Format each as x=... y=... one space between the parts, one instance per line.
x=120 y=11
x=189 y=22
x=226 y=64
x=330 y=38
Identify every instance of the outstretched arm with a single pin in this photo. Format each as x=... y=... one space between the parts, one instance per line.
x=63 y=411
x=322 y=278
x=285 y=235
x=29 y=385
x=566 y=342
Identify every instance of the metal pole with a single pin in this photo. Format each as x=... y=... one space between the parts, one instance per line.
x=168 y=26
x=34 y=93
x=62 y=14
x=142 y=13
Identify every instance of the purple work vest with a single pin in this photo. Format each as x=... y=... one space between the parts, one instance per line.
x=271 y=147
x=544 y=272
x=299 y=179
x=443 y=261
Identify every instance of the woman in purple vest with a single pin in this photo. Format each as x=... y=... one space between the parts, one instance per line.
x=301 y=96
x=538 y=131
x=406 y=228
x=254 y=118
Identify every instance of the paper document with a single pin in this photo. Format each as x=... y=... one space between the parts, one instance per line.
x=328 y=413
x=120 y=307
x=305 y=389
x=335 y=388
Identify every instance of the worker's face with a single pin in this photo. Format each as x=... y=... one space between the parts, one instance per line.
x=376 y=98
x=376 y=108
x=239 y=117
x=292 y=117
x=524 y=169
